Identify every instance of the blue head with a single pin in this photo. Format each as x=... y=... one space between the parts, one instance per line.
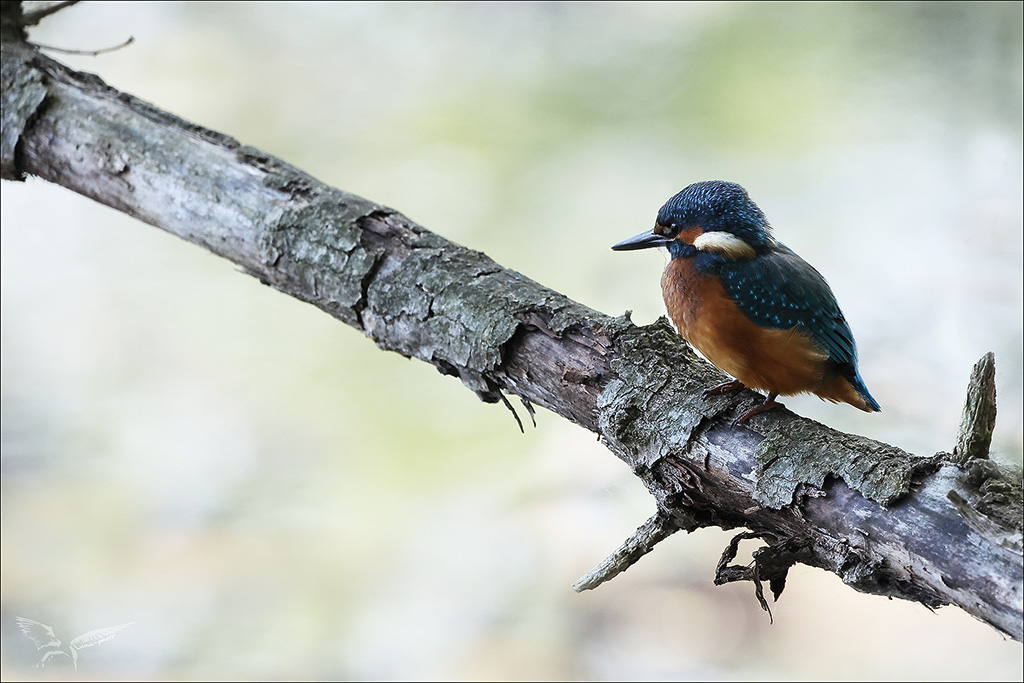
x=716 y=205
x=738 y=227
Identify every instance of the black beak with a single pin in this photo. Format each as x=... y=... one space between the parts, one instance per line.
x=644 y=240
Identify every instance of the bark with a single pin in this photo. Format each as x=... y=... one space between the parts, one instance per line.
x=936 y=530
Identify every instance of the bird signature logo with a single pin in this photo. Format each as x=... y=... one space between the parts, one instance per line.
x=45 y=639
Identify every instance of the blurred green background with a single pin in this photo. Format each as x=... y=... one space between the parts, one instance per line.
x=264 y=494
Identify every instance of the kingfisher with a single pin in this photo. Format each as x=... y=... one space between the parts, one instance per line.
x=748 y=303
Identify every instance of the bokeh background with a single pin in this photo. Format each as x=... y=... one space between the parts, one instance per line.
x=262 y=493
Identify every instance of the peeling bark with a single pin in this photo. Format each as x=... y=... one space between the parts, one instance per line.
x=933 y=530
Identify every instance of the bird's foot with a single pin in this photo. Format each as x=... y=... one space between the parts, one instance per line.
x=769 y=403
x=731 y=385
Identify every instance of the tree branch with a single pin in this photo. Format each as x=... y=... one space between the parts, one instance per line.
x=935 y=530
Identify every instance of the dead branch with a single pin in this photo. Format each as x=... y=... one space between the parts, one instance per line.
x=937 y=530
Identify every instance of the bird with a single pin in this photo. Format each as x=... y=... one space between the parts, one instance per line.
x=748 y=303
x=44 y=638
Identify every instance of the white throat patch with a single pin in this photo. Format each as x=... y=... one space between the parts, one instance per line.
x=726 y=244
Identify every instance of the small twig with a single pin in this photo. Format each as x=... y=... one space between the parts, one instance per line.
x=759 y=591
x=650 y=533
x=87 y=53
x=727 y=573
x=530 y=410
x=979 y=417
x=513 y=411
x=34 y=17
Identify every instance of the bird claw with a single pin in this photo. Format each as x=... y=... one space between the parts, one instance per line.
x=731 y=385
x=734 y=384
x=769 y=404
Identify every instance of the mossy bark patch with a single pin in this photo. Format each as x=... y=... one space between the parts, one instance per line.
x=802 y=452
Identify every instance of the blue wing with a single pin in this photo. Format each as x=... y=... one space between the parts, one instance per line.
x=779 y=289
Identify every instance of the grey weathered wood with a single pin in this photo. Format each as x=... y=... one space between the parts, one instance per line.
x=925 y=529
x=650 y=533
x=979 y=417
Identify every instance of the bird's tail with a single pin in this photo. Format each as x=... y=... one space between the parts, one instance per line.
x=870 y=404
x=848 y=387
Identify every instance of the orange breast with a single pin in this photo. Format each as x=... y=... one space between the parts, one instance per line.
x=783 y=361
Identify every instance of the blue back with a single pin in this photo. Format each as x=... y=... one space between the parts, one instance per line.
x=780 y=289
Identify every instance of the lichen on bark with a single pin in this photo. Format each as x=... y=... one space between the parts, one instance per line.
x=802 y=452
